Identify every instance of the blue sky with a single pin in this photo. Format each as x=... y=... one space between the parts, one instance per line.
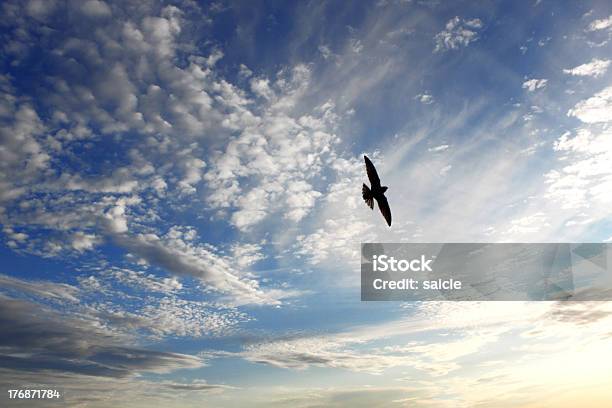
x=180 y=197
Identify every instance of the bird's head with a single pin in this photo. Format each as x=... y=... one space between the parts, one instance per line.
x=384 y=188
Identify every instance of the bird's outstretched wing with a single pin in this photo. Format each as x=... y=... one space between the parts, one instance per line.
x=372 y=174
x=366 y=193
x=383 y=205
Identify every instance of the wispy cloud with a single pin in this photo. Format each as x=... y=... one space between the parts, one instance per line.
x=595 y=68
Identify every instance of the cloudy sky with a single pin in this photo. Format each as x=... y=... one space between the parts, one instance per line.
x=180 y=204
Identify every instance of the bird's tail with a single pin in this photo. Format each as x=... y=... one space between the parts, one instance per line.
x=366 y=193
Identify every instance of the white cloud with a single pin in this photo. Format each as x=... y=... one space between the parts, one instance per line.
x=140 y=280
x=247 y=254
x=262 y=88
x=533 y=84
x=332 y=236
x=267 y=168
x=603 y=24
x=23 y=156
x=529 y=224
x=193 y=170
x=596 y=109
x=585 y=178
x=439 y=148
x=458 y=33
x=425 y=98
x=168 y=316
x=84 y=242
x=244 y=72
x=301 y=198
x=595 y=68
x=115 y=219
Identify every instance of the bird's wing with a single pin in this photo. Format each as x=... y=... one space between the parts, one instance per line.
x=383 y=205
x=372 y=174
x=366 y=193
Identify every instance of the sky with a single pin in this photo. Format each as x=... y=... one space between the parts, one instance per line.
x=181 y=212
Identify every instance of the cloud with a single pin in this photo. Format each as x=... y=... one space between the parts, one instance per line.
x=40 y=9
x=342 y=396
x=136 y=303
x=130 y=303
x=586 y=180
x=140 y=280
x=54 y=291
x=358 y=352
x=325 y=51
x=158 y=318
x=602 y=24
x=581 y=313
x=245 y=72
x=73 y=345
x=84 y=242
x=533 y=84
x=267 y=168
x=329 y=238
x=465 y=331
x=439 y=148
x=197 y=385
x=425 y=98
x=466 y=347
x=247 y=254
x=596 y=109
x=458 y=33
x=78 y=346
x=183 y=258
x=595 y=68
x=529 y=224
x=90 y=391
x=96 y=9
x=173 y=112
x=444 y=170
x=22 y=157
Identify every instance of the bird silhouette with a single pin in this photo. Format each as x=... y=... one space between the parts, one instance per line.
x=376 y=192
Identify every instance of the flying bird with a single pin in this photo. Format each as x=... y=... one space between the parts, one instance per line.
x=376 y=192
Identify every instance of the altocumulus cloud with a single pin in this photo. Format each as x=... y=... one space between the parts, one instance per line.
x=123 y=80
x=457 y=33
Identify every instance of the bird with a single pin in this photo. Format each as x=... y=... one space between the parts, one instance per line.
x=376 y=192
